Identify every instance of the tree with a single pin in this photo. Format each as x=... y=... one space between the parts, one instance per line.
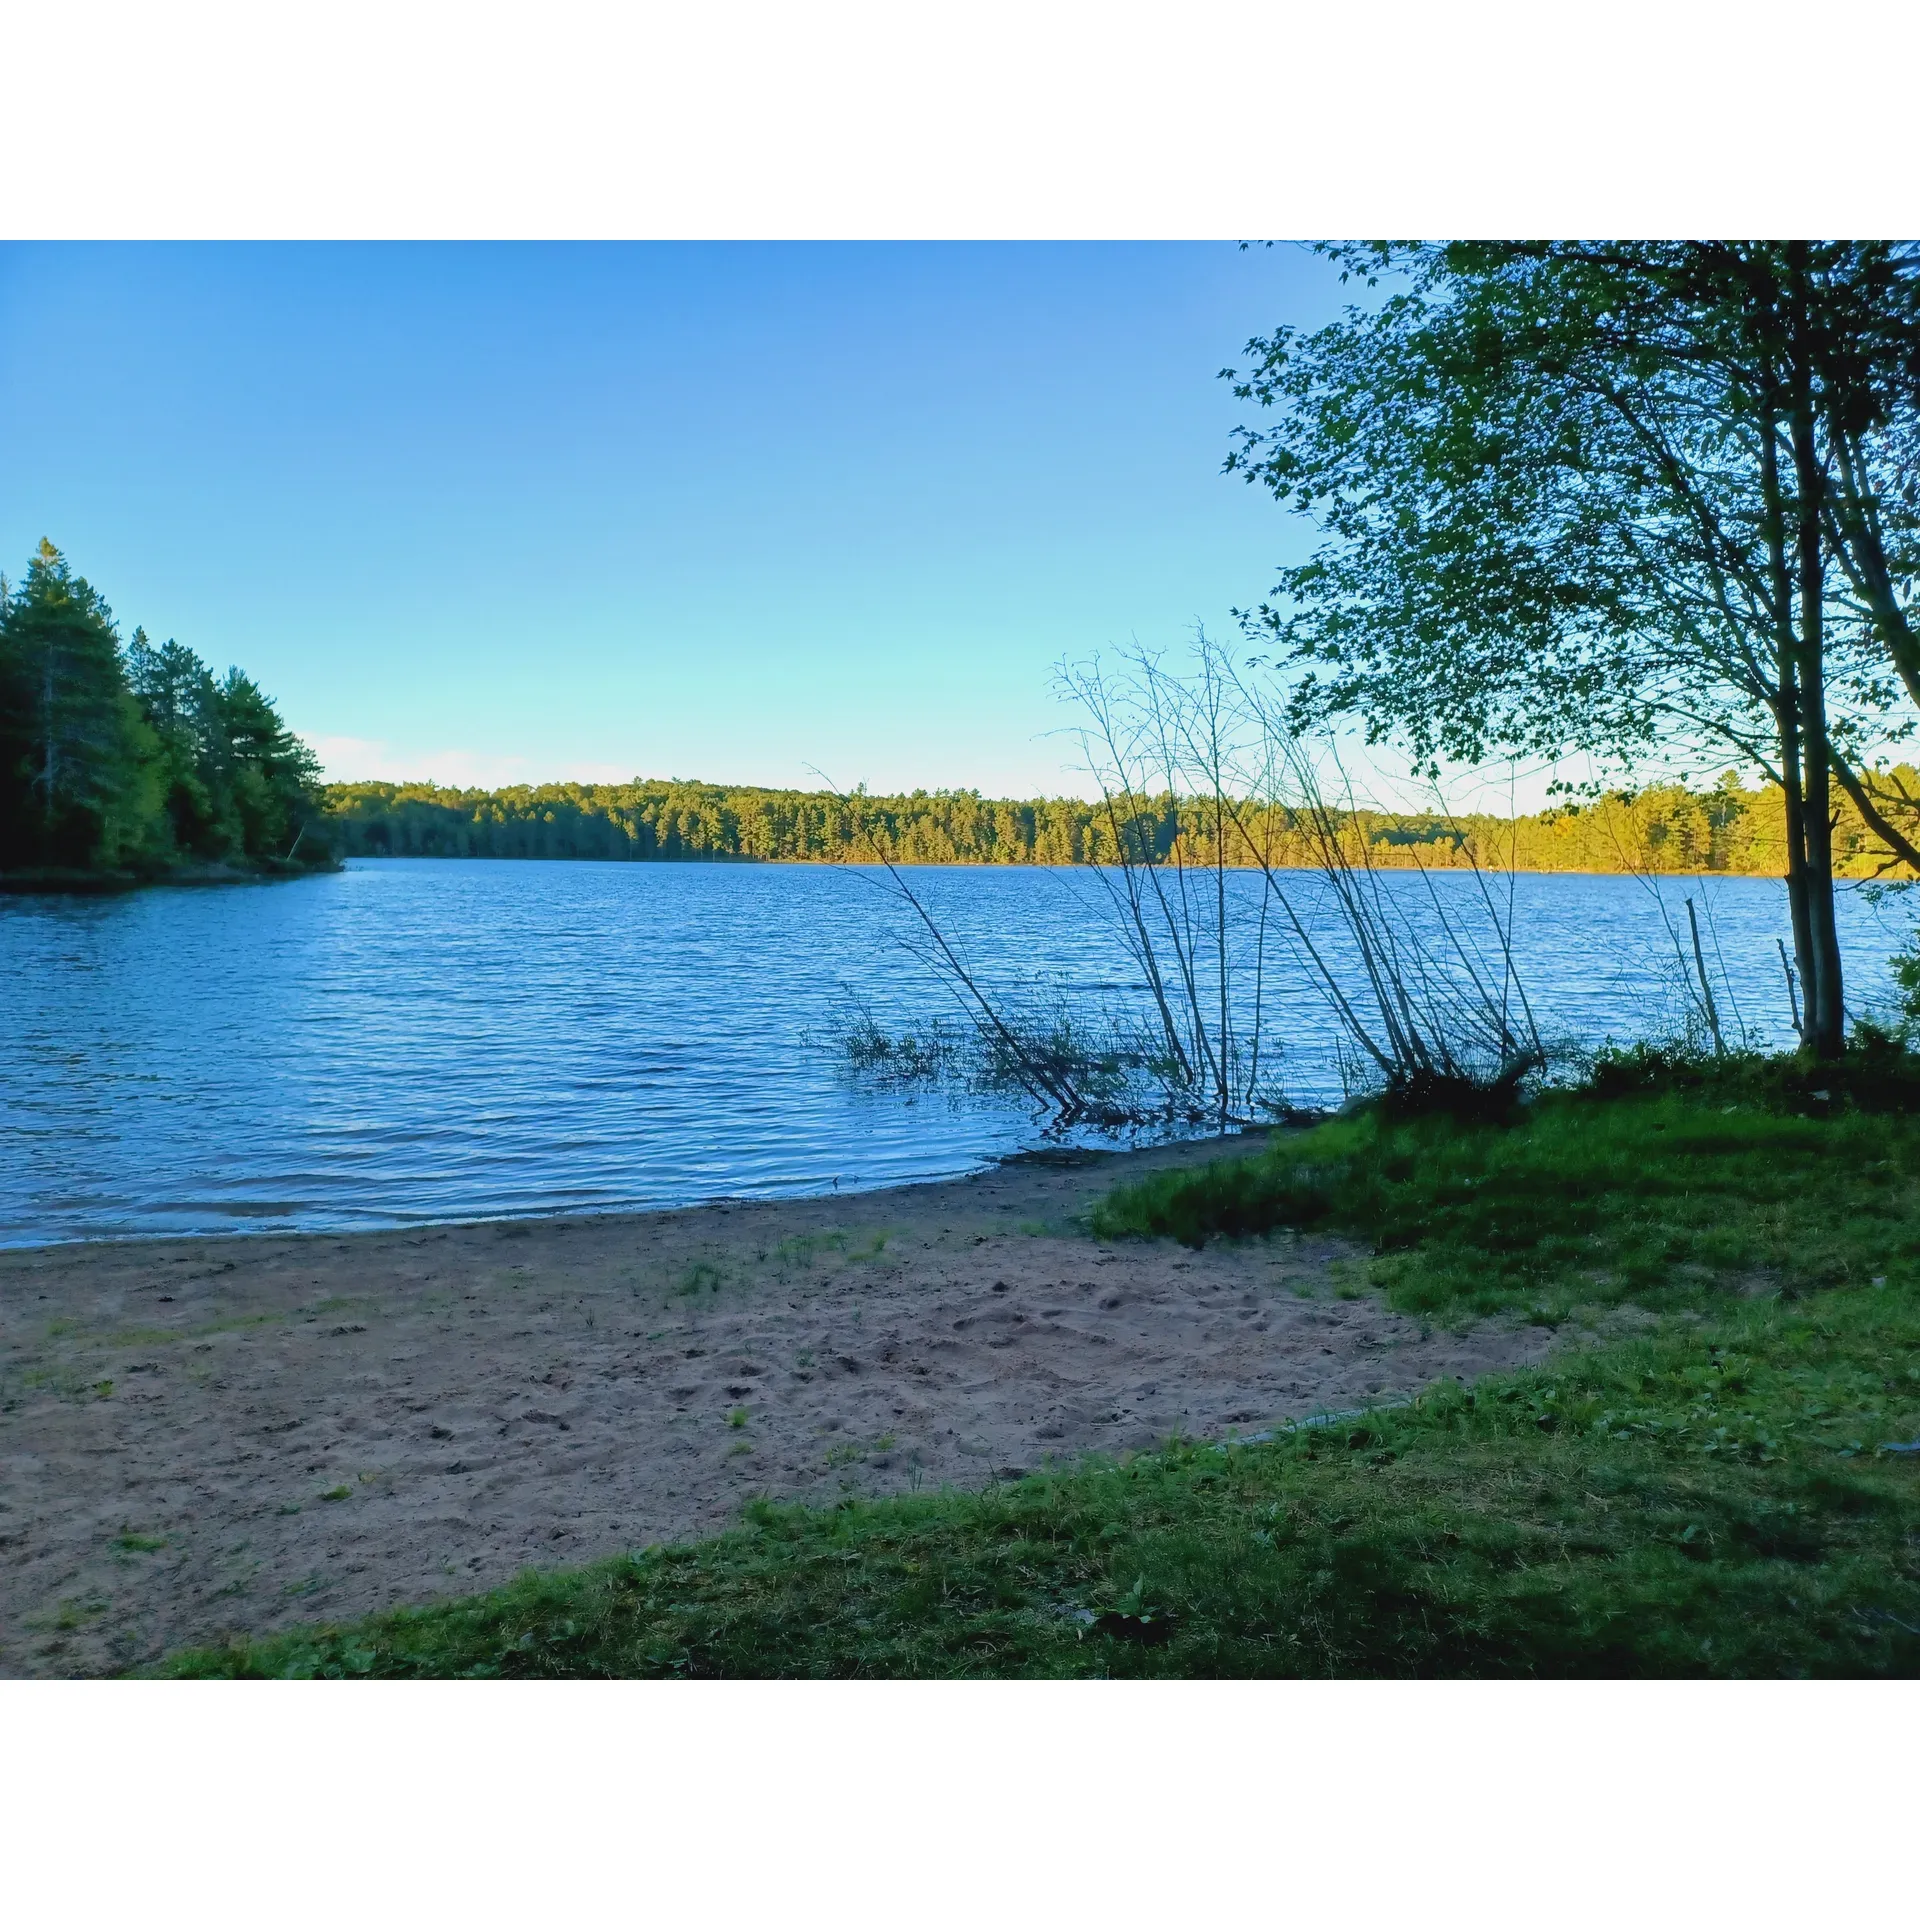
x=180 y=700
x=76 y=776
x=271 y=774
x=1586 y=496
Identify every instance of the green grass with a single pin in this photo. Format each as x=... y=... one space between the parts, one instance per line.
x=1665 y=1201
x=701 y=1277
x=802 y=1249
x=1705 y=1495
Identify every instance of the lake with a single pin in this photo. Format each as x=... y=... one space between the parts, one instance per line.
x=421 y=1040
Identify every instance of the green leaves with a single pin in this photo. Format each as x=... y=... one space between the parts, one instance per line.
x=1539 y=471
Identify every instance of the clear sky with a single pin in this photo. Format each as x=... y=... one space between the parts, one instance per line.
x=498 y=513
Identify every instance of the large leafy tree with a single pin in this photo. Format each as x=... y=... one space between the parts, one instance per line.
x=1654 y=501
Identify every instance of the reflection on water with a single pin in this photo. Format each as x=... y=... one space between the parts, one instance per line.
x=431 y=1040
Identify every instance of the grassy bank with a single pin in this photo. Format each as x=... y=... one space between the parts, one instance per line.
x=1696 y=1486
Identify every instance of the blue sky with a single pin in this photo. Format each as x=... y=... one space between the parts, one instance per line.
x=499 y=512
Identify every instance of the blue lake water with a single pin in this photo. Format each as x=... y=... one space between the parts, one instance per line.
x=417 y=1040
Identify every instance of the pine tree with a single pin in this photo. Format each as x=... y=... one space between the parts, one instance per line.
x=272 y=774
x=78 y=785
x=180 y=700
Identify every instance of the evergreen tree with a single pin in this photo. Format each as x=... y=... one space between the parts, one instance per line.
x=272 y=778
x=180 y=701
x=78 y=781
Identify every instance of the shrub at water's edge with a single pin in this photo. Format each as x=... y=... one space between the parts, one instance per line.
x=122 y=764
x=1696 y=1485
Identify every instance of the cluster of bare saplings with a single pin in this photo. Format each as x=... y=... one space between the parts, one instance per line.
x=1419 y=983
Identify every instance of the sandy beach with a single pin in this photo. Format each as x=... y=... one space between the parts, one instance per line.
x=221 y=1436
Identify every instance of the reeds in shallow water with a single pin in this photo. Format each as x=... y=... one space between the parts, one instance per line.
x=1429 y=1010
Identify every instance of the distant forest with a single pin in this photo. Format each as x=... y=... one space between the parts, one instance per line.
x=131 y=762
x=1667 y=829
x=122 y=761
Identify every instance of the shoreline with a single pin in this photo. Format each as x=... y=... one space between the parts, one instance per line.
x=79 y=881
x=1031 y=866
x=272 y=1227
x=233 y=1434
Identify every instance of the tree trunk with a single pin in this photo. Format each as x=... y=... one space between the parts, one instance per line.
x=1826 y=1001
x=1798 y=911
x=1786 y=704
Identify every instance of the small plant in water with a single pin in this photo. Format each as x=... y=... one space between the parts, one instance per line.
x=737 y=1418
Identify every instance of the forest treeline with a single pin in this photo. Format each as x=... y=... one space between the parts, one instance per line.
x=132 y=761
x=1667 y=829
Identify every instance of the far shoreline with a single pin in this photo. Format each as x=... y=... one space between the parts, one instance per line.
x=82 y=881
x=1006 y=866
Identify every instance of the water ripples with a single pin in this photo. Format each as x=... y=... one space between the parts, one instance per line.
x=421 y=1040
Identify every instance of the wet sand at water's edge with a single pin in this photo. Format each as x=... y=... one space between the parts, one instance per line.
x=202 y=1438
